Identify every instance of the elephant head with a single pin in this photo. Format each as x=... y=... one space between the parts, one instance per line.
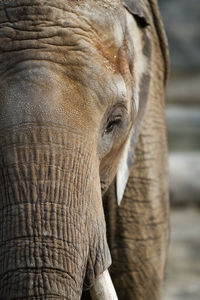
x=69 y=86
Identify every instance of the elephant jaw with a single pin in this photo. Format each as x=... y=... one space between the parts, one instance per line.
x=103 y=288
x=53 y=237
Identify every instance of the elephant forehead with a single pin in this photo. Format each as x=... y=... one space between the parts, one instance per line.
x=25 y=19
x=82 y=38
x=34 y=92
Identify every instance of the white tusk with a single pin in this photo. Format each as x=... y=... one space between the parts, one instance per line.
x=103 y=288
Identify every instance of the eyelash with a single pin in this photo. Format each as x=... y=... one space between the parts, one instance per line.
x=112 y=123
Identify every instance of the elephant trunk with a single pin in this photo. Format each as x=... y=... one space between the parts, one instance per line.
x=53 y=239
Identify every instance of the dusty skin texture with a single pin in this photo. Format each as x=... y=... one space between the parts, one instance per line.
x=70 y=86
x=137 y=230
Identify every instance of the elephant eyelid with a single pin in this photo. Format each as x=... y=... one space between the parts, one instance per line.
x=115 y=121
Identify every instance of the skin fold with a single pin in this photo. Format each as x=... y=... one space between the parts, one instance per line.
x=138 y=231
x=69 y=92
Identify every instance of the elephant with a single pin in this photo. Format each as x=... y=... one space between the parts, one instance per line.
x=83 y=142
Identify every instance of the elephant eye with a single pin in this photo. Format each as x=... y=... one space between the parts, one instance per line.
x=112 y=124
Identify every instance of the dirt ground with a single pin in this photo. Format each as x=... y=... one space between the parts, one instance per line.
x=183 y=271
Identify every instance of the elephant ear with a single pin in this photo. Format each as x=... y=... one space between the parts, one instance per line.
x=138 y=20
x=136 y=32
x=136 y=8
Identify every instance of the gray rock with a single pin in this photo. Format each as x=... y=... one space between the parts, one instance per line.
x=183 y=128
x=185 y=178
x=182 y=22
x=183 y=270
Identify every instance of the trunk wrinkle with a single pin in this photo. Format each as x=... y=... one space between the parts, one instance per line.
x=52 y=232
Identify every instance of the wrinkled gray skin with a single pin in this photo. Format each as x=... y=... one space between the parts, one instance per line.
x=66 y=111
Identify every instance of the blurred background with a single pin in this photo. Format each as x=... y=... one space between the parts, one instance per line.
x=182 y=23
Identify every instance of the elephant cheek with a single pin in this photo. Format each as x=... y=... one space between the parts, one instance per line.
x=51 y=221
